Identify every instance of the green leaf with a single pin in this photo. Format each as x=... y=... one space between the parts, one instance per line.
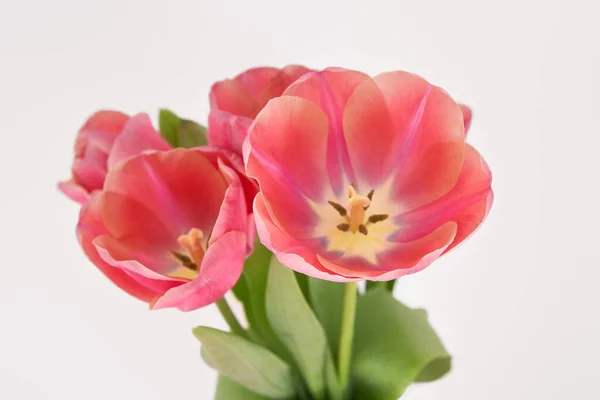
x=191 y=134
x=229 y=390
x=246 y=363
x=327 y=299
x=297 y=327
x=180 y=132
x=394 y=346
x=250 y=290
x=168 y=124
x=387 y=285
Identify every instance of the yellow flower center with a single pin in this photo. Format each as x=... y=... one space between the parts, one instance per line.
x=358 y=226
x=190 y=259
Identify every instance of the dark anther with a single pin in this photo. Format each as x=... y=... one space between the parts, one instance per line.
x=378 y=218
x=338 y=208
x=370 y=195
x=363 y=229
x=185 y=260
x=343 y=227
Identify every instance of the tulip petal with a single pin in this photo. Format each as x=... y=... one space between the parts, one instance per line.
x=429 y=146
x=286 y=151
x=289 y=251
x=180 y=186
x=88 y=174
x=227 y=131
x=138 y=135
x=74 y=191
x=138 y=228
x=101 y=129
x=90 y=226
x=233 y=215
x=330 y=90
x=467 y=204
x=467 y=116
x=220 y=270
x=249 y=92
x=370 y=134
x=406 y=256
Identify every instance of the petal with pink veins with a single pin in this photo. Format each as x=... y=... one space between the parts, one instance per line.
x=330 y=90
x=89 y=227
x=429 y=143
x=138 y=135
x=467 y=204
x=227 y=131
x=180 y=186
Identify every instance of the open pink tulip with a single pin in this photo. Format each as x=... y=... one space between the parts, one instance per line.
x=92 y=146
x=364 y=178
x=235 y=102
x=171 y=226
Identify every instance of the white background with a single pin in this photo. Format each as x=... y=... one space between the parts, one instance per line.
x=517 y=305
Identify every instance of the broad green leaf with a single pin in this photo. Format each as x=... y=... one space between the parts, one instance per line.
x=229 y=390
x=327 y=299
x=168 y=124
x=303 y=283
x=191 y=134
x=250 y=290
x=246 y=363
x=297 y=327
x=180 y=132
x=394 y=346
x=387 y=285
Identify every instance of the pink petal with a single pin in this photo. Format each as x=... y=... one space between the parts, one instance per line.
x=90 y=226
x=227 y=131
x=138 y=135
x=233 y=215
x=370 y=134
x=180 y=186
x=289 y=251
x=88 y=175
x=74 y=191
x=429 y=146
x=286 y=155
x=102 y=128
x=467 y=204
x=116 y=254
x=138 y=228
x=330 y=90
x=219 y=272
x=406 y=256
x=249 y=92
x=467 y=115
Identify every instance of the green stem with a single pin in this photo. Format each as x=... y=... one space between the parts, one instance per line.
x=347 y=333
x=229 y=317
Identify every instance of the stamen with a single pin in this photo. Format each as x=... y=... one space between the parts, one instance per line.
x=192 y=243
x=184 y=260
x=363 y=229
x=370 y=197
x=356 y=208
x=373 y=219
x=343 y=227
x=339 y=208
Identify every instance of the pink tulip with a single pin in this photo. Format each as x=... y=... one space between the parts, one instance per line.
x=171 y=226
x=364 y=178
x=94 y=144
x=235 y=102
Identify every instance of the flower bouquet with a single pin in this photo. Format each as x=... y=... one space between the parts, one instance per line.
x=303 y=185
